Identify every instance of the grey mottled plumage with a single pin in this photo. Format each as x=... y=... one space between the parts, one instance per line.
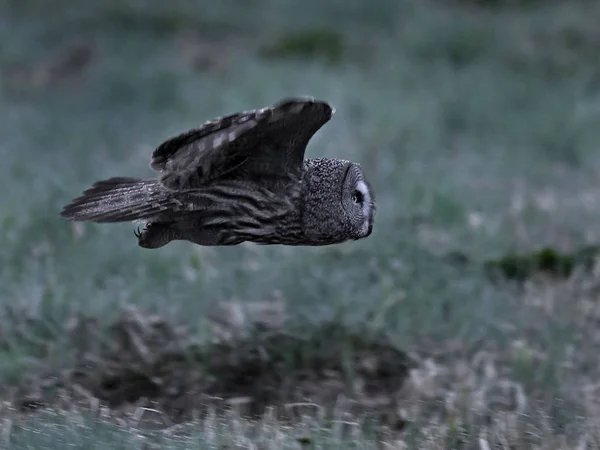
x=242 y=177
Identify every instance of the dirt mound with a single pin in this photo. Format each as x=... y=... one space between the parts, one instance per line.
x=141 y=360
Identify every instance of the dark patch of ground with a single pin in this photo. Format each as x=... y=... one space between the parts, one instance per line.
x=143 y=361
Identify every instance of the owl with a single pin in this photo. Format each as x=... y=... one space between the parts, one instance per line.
x=240 y=178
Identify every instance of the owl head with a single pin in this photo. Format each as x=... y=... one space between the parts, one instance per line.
x=339 y=204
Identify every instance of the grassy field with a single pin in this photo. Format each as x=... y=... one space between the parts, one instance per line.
x=476 y=122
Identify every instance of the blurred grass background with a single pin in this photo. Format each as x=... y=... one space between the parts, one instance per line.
x=476 y=122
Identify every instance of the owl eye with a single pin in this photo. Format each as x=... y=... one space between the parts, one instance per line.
x=357 y=197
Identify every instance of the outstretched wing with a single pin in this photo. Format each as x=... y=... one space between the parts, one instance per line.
x=267 y=142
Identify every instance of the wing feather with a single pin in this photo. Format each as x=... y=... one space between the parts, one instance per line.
x=266 y=142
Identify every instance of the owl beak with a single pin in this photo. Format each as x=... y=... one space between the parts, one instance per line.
x=366 y=232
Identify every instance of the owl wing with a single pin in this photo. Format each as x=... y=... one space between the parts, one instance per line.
x=268 y=142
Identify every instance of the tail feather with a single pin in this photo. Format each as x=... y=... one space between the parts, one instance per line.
x=118 y=199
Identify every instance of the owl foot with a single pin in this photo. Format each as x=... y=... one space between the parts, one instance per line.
x=142 y=235
x=153 y=235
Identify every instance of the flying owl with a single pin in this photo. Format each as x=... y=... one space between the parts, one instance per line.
x=242 y=177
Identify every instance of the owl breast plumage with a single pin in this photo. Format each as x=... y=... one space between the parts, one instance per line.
x=237 y=178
